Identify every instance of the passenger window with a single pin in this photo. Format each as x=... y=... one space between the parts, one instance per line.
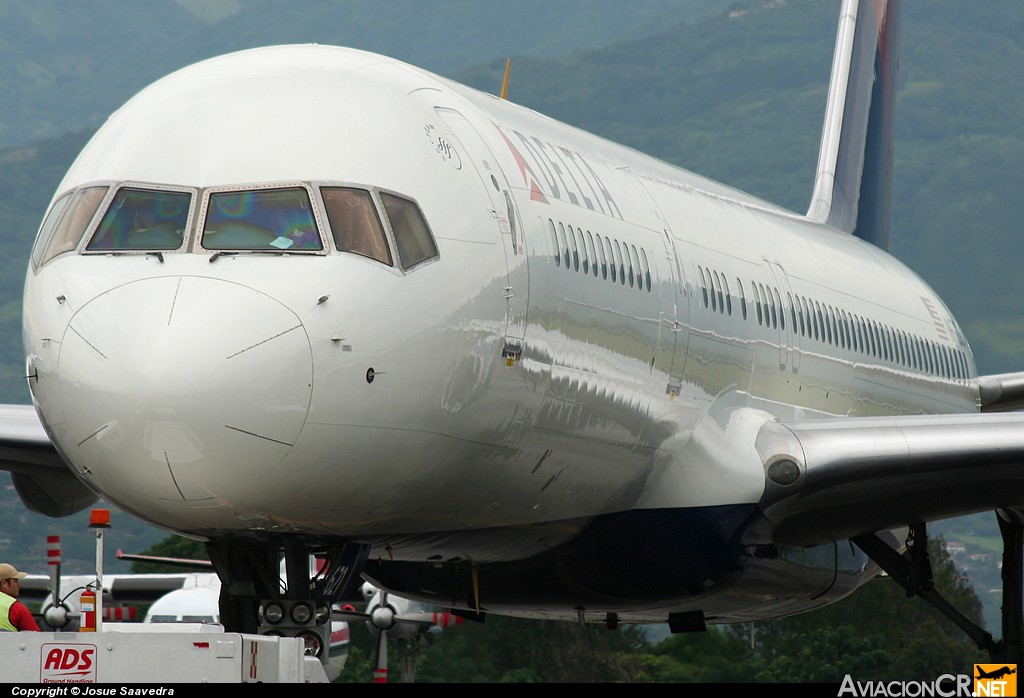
x=142 y=219
x=576 y=249
x=604 y=261
x=635 y=267
x=607 y=260
x=592 y=253
x=415 y=242
x=277 y=220
x=354 y=223
x=564 y=244
x=554 y=243
x=584 y=258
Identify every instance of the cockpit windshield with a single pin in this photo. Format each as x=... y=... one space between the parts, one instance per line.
x=142 y=219
x=262 y=219
x=415 y=242
x=354 y=222
x=282 y=218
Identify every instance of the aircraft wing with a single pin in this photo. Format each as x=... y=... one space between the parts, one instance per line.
x=837 y=478
x=852 y=475
x=41 y=477
x=1002 y=392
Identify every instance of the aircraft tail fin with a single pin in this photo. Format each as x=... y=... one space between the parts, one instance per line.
x=852 y=182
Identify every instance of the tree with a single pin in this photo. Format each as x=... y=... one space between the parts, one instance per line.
x=876 y=633
x=720 y=655
x=516 y=650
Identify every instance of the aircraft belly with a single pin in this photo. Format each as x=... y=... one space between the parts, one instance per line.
x=641 y=565
x=376 y=480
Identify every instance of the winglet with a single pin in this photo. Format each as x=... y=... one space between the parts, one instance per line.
x=504 y=83
x=852 y=182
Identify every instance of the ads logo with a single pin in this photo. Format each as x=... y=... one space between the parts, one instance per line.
x=995 y=679
x=67 y=663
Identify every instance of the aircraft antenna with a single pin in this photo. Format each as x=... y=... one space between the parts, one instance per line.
x=476 y=586
x=504 y=83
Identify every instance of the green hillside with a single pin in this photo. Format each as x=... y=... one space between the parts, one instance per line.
x=68 y=65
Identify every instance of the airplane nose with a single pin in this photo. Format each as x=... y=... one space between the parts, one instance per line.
x=182 y=388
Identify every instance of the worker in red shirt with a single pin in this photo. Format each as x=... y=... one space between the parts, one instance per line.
x=14 y=615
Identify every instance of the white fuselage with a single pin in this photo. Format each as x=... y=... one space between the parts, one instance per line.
x=510 y=381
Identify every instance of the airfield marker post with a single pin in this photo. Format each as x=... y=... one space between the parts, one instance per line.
x=99 y=519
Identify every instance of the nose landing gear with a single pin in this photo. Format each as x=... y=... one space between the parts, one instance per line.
x=286 y=587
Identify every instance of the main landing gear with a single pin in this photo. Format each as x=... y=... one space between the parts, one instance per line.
x=913 y=572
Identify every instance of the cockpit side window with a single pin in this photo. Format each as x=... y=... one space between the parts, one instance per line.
x=415 y=242
x=142 y=219
x=49 y=225
x=355 y=224
x=62 y=233
x=277 y=220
